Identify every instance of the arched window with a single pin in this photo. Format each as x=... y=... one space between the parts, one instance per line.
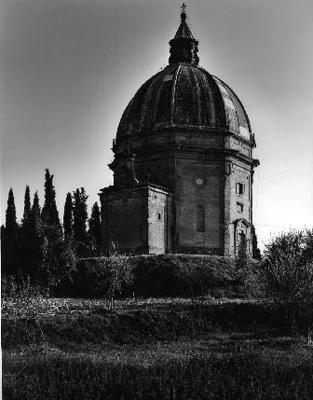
x=200 y=219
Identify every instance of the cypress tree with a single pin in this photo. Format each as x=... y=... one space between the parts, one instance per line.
x=35 y=211
x=34 y=240
x=51 y=235
x=68 y=217
x=25 y=236
x=10 y=256
x=3 y=250
x=27 y=207
x=68 y=255
x=10 y=216
x=95 y=230
x=49 y=214
x=80 y=222
x=256 y=253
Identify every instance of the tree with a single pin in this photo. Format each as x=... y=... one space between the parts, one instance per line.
x=35 y=210
x=80 y=222
x=35 y=240
x=10 y=216
x=118 y=272
x=256 y=254
x=68 y=217
x=27 y=206
x=25 y=237
x=51 y=236
x=287 y=274
x=3 y=248
x=95 y=230
x=49 y=214
x=10 y=255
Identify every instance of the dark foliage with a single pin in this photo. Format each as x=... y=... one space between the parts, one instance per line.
x=80 y=222
x=186 y=275
x=68 y=218
x=29 y=245
x=287 y=274
x=27 y=206
x=105 y=277
x=95 y=230
x=9 y=264
x=171 y=275
x=256 y=253
x=49 y=214
x=34 y=241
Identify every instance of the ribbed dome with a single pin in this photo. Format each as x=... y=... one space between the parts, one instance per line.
x=183 y=95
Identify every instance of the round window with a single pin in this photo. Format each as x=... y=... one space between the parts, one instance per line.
x=200 y=180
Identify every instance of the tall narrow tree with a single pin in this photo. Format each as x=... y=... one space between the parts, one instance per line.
x=95 y=230
x=25 y=237
x=31 y=240
x=68 y=218
x=27 y=206
x=10 y=256
x=35 y=210
x=51 y=233
x=49 y=212
x=80 y=222
x=256 y=253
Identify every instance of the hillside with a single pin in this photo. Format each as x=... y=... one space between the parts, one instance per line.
x=151 y=349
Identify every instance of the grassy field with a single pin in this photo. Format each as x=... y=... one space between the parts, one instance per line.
x=151 y=349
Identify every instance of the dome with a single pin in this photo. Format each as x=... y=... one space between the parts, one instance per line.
x=183 y=95
x=186 y=96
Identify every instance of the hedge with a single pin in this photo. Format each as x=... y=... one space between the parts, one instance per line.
x=167 y=276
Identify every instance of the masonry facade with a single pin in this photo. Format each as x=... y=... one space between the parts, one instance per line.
x=183 y=165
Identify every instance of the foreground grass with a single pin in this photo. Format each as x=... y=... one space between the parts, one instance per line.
x=156 y=349
x=180 y=370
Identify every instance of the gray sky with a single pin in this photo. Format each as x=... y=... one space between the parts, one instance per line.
x=70 y=67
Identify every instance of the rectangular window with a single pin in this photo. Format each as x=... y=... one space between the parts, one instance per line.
x=200 y=219
x=240 y=208
x=159 y=216
x=240 y=188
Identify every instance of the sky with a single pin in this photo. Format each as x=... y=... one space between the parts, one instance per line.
x=69 y=68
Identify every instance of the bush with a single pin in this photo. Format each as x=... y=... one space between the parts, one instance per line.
x=189 y=276
x=287 y=275
x=21 y=289
x=102 y=277
x=171 y=275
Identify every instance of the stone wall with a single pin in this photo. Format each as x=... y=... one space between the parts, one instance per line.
x=136 y=220
x=199 y=187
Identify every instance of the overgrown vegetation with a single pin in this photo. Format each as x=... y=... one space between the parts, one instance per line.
x=39 y=248
x=215 y=327
x=286 y=275
x=65 y=348
x=167 y=371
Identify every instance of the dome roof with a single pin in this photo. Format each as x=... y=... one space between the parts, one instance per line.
x=184 y=95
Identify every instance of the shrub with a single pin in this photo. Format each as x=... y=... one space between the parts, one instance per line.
x=188 y=275
x=169 y=275
x=287 y=274
x=21 y=289
x=102 y=277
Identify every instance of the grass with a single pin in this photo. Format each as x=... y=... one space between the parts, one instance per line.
x=150 y=349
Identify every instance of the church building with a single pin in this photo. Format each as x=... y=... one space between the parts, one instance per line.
x=183 y=165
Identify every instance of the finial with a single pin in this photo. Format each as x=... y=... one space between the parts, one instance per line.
x=184 y=45
x=183 y=15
